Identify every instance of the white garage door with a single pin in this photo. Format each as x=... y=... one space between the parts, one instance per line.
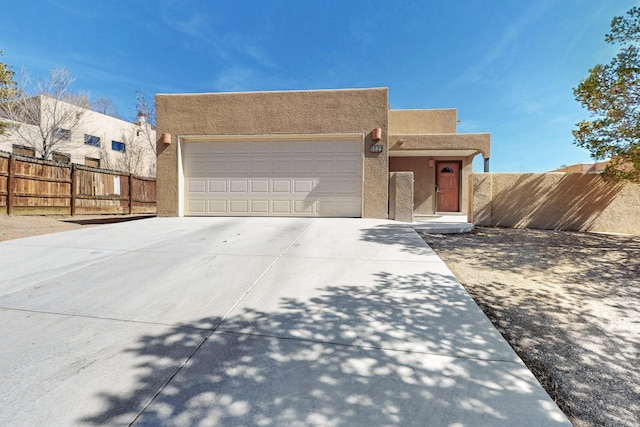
x=273 y=178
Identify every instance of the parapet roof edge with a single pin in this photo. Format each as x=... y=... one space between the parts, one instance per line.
x=274 y=91
x=423 y=109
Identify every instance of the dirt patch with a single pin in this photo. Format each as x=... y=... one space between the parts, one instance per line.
x=16 y=227
x=569 y=305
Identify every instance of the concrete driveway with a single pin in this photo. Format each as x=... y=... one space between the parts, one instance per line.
x=270 y=322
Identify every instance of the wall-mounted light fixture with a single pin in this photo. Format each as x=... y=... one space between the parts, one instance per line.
x=432 y=163
x=166 y=138
x=376 y=134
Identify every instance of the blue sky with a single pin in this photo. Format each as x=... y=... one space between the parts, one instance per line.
x=508 y=66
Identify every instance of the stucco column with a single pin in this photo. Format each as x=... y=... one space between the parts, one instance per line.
x=401 y=196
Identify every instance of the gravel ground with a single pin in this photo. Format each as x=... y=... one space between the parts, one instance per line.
x=16 y=227
x=569 y=305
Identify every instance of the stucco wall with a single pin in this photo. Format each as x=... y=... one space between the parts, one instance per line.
x=559 y=201
x=401 y=196
x=272 y=113
x=465 y=182
x=422 y=121
x=424 y=181
x=480 y=142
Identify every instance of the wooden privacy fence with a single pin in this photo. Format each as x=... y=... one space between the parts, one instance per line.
x=36 y=187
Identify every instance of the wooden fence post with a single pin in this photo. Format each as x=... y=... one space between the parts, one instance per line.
x=11 y=183
x=73 y=190
x=130 y=194
x=89 y=192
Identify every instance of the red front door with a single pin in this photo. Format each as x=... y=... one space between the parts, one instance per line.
x=448 y=182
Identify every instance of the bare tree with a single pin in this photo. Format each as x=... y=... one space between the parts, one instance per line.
x=104 y=106
x=137 y=157
x=8 y=89
x=146 y=112
x=46 y=112
x=139 y=154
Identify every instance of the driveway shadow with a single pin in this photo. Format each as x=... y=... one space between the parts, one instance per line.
x=380 y=355
x=107 y=219
x=398 y=235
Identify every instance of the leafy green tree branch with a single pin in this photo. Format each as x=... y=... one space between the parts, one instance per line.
x=611 y=94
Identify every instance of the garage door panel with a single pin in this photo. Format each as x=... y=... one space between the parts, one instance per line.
x=347 y=187
x=239 y=206
x=238 y=186
x=342 y=187
x=265 y=178
x=328 y=207
x=303 y=207
x=325 y=186
x=218 y=167
x=238 y=167
x=351 y=147
x=326 y=147
x=201 y=167
x=260 y=186
x=303 y=186
x=206 y=168
x=218 y=186
x=261 y=167
x=282 y=207
x=260 y=206
x=237 y=147
x=347 y=166
x=281 y=147
x=197 y=186
x=194 y=150
x=260 y=148
x=325 y=167
x=302 y=147
x=219 y=206
x=282 y=167
x=282 y=186
x=198 y=205
x=303 y=166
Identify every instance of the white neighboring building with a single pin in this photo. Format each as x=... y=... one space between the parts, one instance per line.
x=96 y=140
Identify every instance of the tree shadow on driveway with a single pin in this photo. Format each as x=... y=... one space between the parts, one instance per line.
x=404 y=350
x=400 y=235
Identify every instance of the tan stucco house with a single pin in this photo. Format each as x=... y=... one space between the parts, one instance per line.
x=307 y=153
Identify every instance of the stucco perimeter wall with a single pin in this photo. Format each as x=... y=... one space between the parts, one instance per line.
x=423 y=121
x=272 y=113
x=556 y=201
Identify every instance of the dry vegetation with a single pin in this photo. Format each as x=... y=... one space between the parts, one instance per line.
x=569 y=304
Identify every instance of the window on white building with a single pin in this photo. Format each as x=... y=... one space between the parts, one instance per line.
x=92 y=140
x=118 y=146
x=63 y=134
